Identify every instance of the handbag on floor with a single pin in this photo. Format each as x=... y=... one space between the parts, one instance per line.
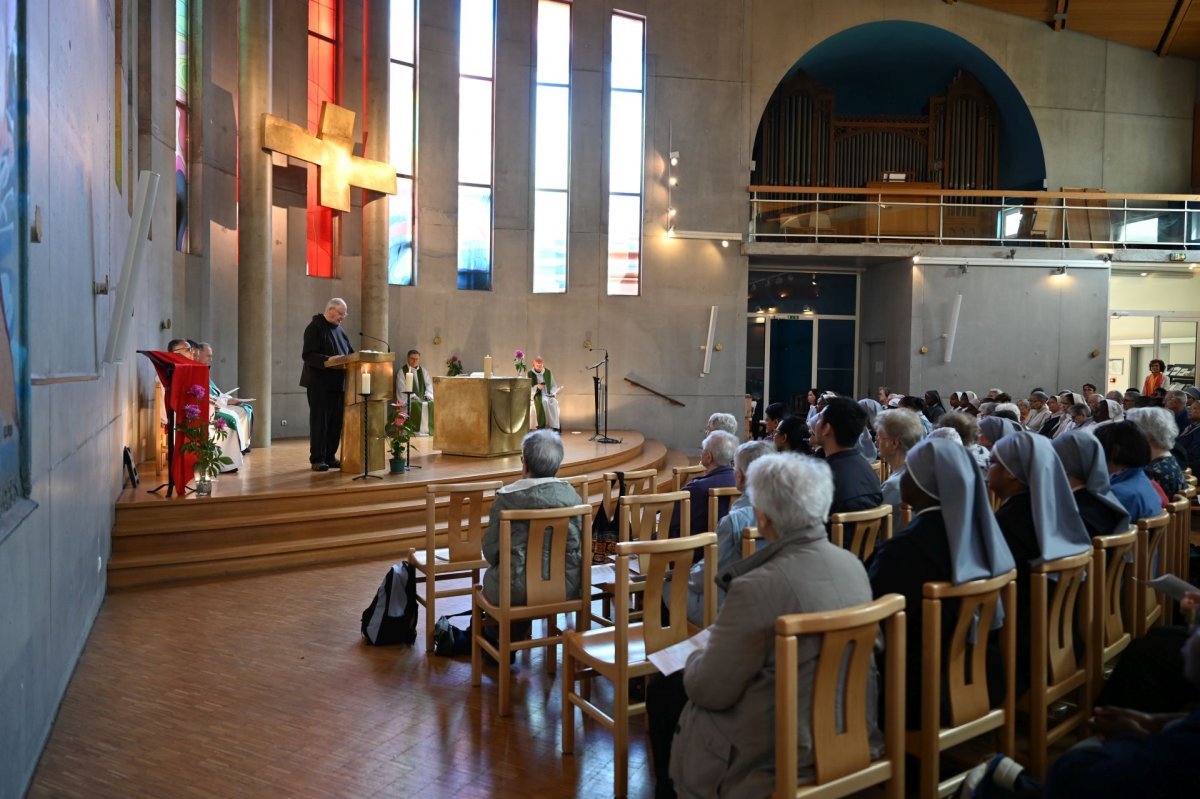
x=449 y=641
x=605 y=530
x=391 y=618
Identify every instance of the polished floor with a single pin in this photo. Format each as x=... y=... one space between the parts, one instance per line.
x=263 y=687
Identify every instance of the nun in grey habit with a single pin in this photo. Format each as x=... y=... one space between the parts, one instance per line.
x=1087 y=470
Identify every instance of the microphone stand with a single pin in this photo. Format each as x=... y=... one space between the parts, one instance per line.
x=376 y=338
x=599 y=439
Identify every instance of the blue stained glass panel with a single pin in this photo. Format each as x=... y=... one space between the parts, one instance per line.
x=400 y=234
x=550 y=242
x=474 y=237
x=624 y=244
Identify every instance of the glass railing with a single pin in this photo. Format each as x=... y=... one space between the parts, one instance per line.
x=807 y=214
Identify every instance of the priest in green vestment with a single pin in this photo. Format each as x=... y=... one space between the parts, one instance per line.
x=545 y=391
x=419 y=389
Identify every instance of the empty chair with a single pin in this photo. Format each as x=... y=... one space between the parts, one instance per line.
x=645 y=517
x=1153 y=536
x=864 y=528
x=841 y=752
x=1113 y=601
x=628 y=484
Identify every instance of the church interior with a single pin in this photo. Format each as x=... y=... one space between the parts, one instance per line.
x=680 y=207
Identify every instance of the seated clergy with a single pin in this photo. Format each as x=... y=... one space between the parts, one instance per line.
x=231 y=444
x=953 y=537
x=238 y=414
x=541 y=455
x=545 y=396
x=712 y=726
x=412 y=380
x=717 y=460
x=1038 y=519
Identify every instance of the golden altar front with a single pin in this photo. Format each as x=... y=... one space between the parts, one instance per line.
x=479 y=416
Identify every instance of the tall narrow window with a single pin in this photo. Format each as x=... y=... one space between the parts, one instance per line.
x=323 y=21
x=551 y=147
x=476 y=56
x=626 y=146
x=402 y=143
x=183 y=114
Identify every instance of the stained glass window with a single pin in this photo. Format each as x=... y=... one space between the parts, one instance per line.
x=626 y=145
x=477 y=33
x=551 y=148
x=182 y=117
x=323 y=16
x=402 y=143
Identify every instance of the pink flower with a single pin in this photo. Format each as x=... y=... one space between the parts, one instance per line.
x=197 y=392
x=191 y=412
x=454 y=359
x=519 y=354
x=220 y=423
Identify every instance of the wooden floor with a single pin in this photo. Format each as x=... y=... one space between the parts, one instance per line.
x=262 y=687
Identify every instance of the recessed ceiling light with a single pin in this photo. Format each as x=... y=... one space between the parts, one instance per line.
x=1143 y=274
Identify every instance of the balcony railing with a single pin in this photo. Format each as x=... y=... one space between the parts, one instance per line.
x=1089 y=219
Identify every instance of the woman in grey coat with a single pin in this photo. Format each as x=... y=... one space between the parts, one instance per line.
x=725 y=741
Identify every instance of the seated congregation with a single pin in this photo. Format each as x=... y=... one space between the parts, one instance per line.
x=859 y=592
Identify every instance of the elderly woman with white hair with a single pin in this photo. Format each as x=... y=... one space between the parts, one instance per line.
x=722 y=421
x=897 y=431
x=1159 y=426
x=725 y=743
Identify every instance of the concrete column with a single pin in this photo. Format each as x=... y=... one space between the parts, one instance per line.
x=254 y=214
x=375 y=147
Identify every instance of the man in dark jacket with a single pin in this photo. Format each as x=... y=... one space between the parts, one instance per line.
x=836 y=430
x=323 y=339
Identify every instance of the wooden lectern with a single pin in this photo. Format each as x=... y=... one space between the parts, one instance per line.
x=480 y=416
x=379 y=366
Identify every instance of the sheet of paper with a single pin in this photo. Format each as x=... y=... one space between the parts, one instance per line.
x=675 y=657
x=1170 y=585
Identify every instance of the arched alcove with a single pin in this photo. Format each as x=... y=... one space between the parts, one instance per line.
x=900 y=70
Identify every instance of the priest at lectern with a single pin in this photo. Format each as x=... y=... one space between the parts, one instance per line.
x=324 y=339
x=413 y=381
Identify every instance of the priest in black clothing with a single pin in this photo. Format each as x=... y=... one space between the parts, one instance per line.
x=953 y=538
x=324 y=339
x=1083 y=459
x=836 y=431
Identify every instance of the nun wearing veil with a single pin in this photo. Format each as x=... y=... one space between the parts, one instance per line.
x=994 y=428
x=1087 y=471
x=866 y=440
x=1038 y=518
x=953 y=538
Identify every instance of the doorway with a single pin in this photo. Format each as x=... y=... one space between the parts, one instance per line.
x=1135 y=339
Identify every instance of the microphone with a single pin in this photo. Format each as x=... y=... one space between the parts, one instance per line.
x=376 y=338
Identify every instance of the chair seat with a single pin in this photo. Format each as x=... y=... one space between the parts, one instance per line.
x=523 y=612
x=442 y=562
x=598 y=649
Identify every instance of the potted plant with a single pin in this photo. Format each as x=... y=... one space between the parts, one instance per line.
x=398 y=431
x=519 y=362
x=202 y=443
x=453 y=366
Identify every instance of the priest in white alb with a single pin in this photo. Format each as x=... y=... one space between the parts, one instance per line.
x=413 y=381
x=545 y=395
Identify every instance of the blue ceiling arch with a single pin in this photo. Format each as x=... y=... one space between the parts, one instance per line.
x=893 y=67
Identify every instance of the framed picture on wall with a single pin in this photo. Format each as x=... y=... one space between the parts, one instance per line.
x=1116 y=366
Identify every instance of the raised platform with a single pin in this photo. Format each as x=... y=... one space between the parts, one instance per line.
x=276 y=513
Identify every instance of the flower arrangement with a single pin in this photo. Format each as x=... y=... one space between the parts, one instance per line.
x=399 y=429
x=453 y=366
x=519 y=361
x=206 y=447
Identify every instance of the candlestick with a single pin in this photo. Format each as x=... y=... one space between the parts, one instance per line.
x=365 y=384
x=487 y=366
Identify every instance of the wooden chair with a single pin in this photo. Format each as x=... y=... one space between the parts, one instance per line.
x=995 y=499
x=903 y=516
x=750 y=539
x=618 y=653
x=1112 y=601
x=867 y=528
x=714 y=504
x=682 y=475
x=877 y=467
x=1058 y=598
x=1153 y=536
x=160 y=430
x=971 y=713
x=841 y=745
x=463 y=556
x=582 y=485
x=545 y=595
x=1179 y=533
x=641 y=481
x=885 y=471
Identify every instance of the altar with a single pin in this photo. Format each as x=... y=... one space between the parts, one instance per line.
x=480 y=416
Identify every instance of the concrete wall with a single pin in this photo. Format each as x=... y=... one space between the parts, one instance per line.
x=887 y=296
x=52 y=561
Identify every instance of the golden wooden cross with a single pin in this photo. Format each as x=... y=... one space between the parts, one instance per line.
x=332 y=150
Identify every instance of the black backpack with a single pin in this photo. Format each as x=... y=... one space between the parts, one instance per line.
x=391 y=618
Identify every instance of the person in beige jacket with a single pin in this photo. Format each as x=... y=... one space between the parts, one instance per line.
x=724 y=743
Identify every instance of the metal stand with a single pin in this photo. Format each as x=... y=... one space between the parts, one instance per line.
x=366 y=442
x=170 y=484
x=408 y=444
x=602 y=388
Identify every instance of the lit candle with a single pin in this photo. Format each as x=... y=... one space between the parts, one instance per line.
x=408 y=382
x=487 y=366
x=365 y=385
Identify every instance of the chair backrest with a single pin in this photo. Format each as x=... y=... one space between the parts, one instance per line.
x=464 y=517
x=647 y=517
x=867 y=528
x=841 y=737
x=682 y=475
x=877 y=466
x=966 y=661
x=1180 y=510
x=904 y=516
x=640 y=481
x=1152 y=550
x=714 y=504
x=544 y=588
x=1056 y=602
x=582 y=485
x=1112 y=592
x=750 y=539
x=885 y=471
x=995 y=499
x=657 y=558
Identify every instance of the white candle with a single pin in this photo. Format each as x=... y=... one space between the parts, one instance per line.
x=366 y=382
x=408 y=382
x=487 y=366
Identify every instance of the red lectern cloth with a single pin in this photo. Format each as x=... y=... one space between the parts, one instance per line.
x=179 y=375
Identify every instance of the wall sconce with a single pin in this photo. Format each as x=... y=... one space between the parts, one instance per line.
x=808 y=311
x=1058 y=271
x=962 y=269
